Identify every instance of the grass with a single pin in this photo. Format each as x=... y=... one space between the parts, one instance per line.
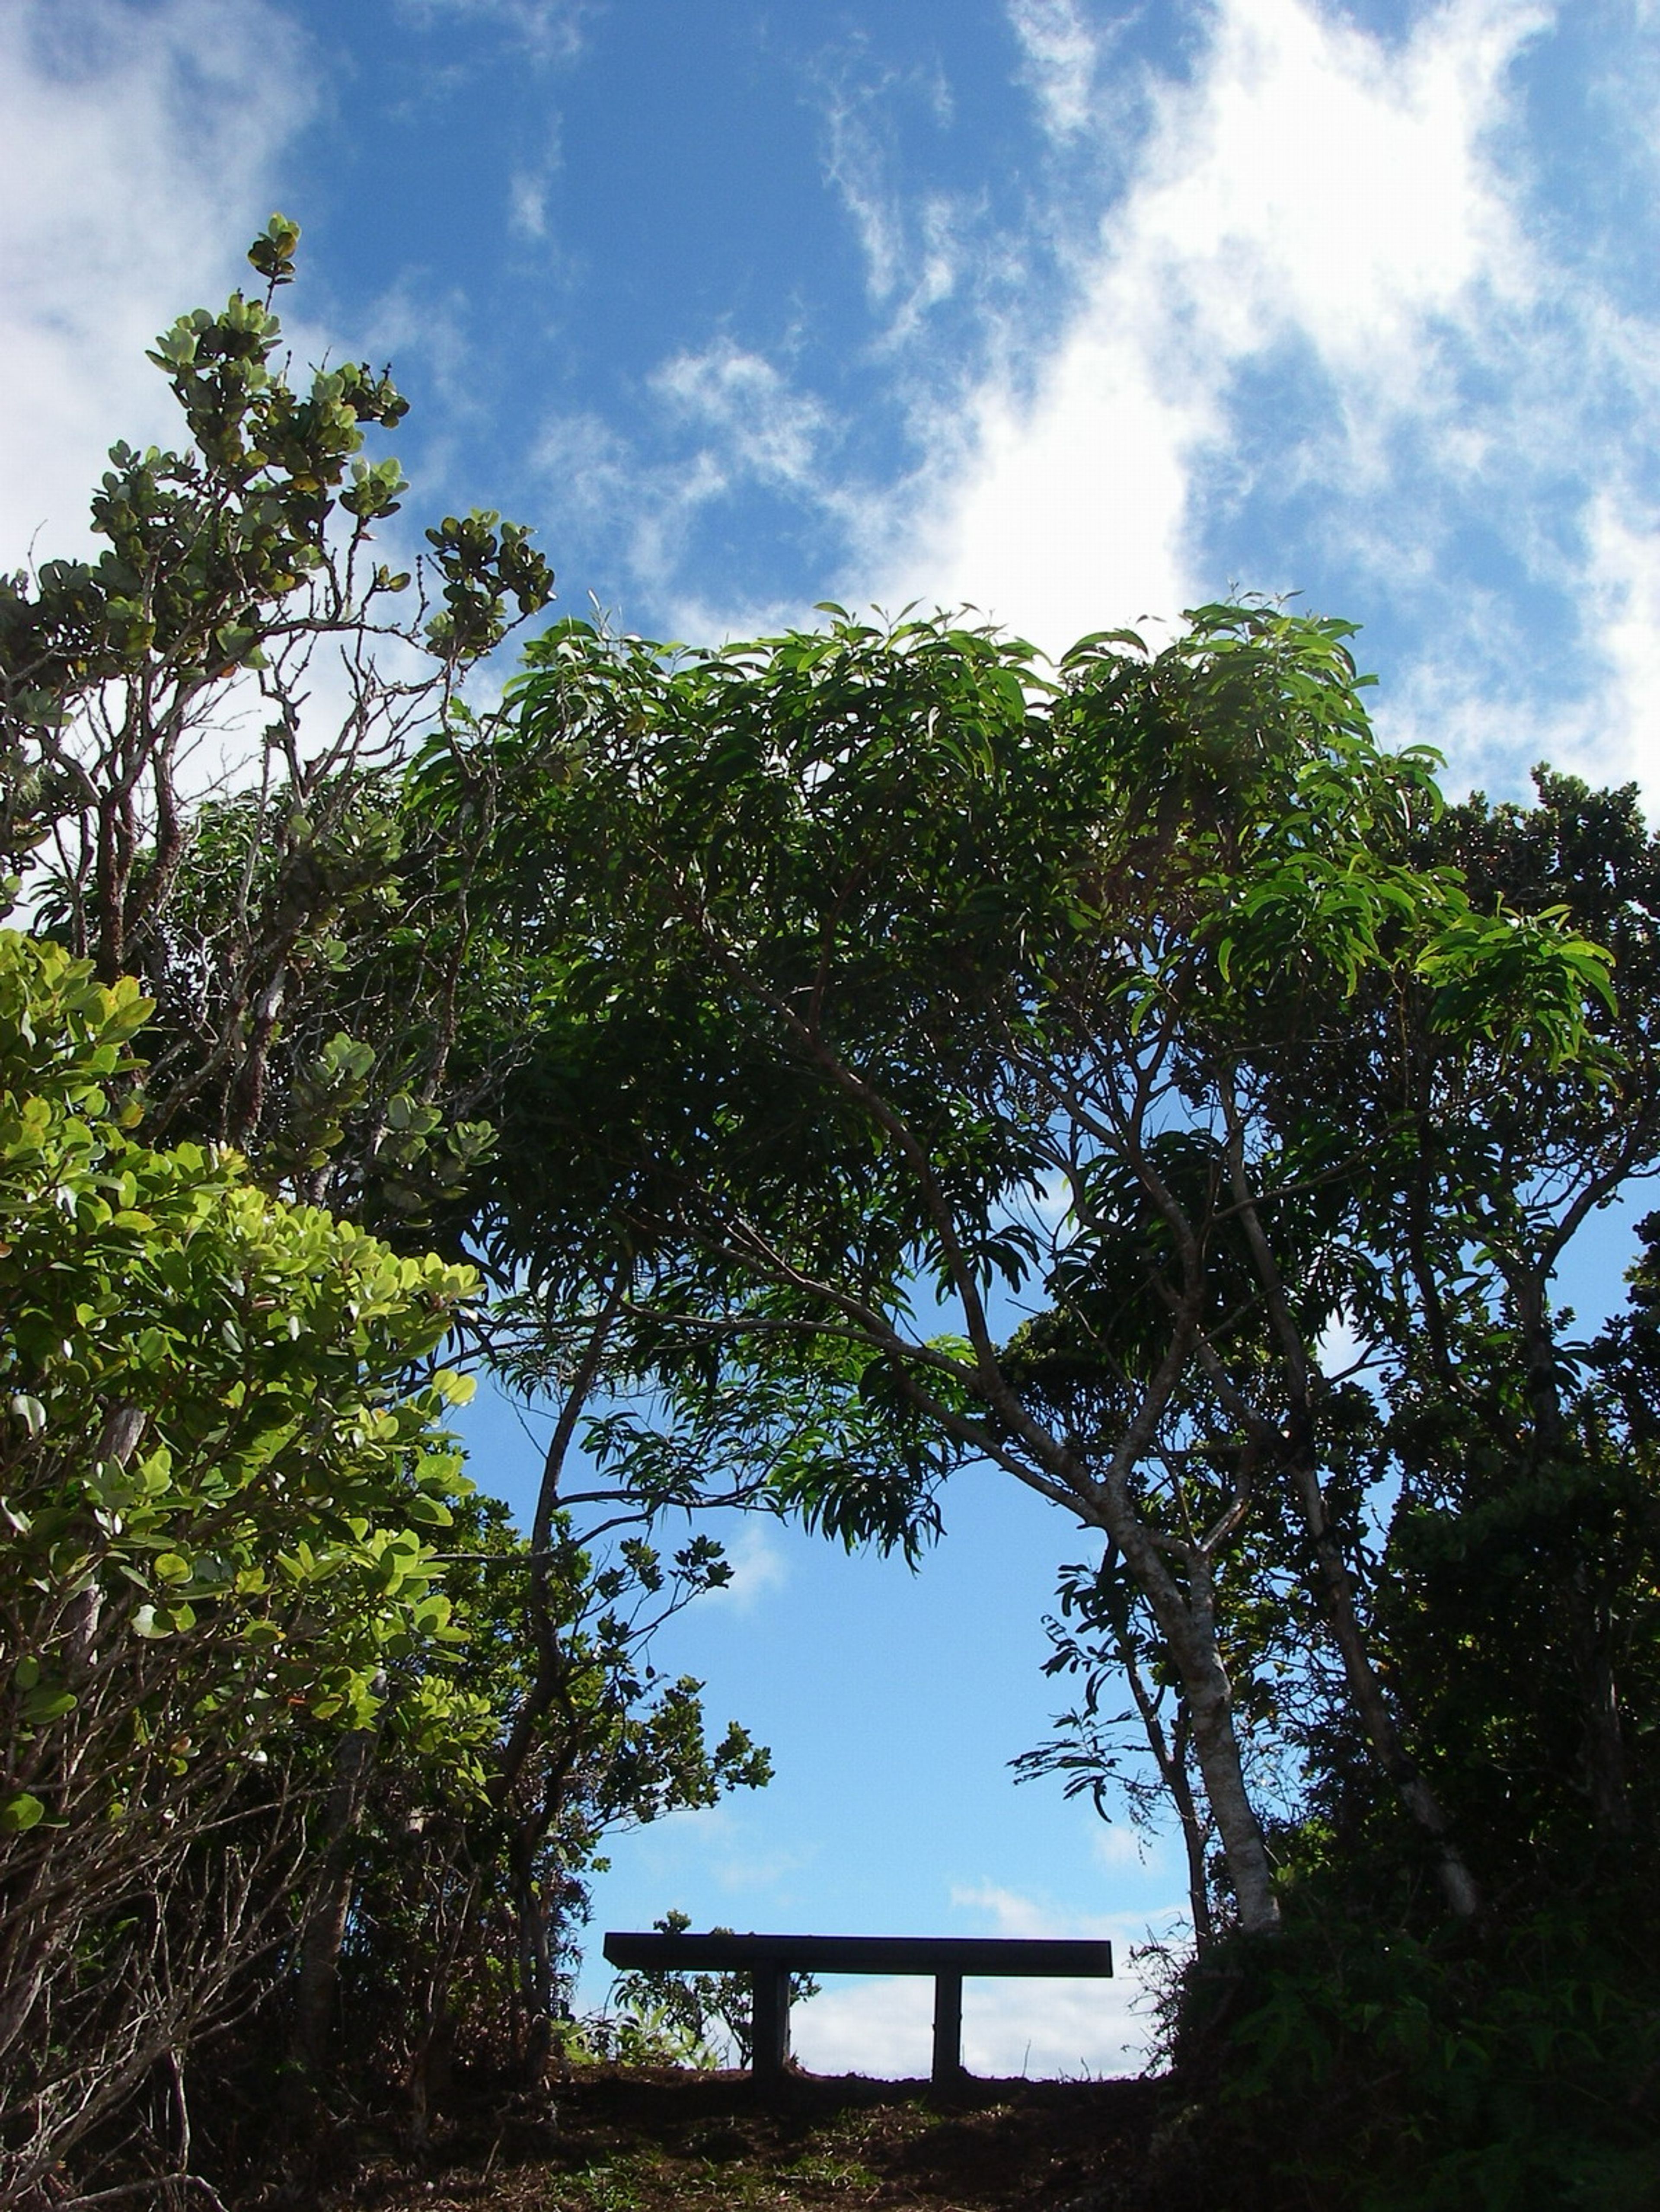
x=615 y=2140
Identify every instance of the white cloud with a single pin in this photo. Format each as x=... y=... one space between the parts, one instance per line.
x=135 y=151
x=764 y=429
x=1329 y=318
x=1011 y=1912
x=1623 y=575
x=527 y=204
x=1308 y=189
x=1060 y=52
x=1046 y=2028
x=1318 y=183
x=1117 y=1844
x=759 y=1568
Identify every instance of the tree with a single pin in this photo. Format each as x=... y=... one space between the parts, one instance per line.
x=240 y=587
x=883 y=978
x=449 y=1927
x=1519 y=1440
x=1513 y=1592
x=1500 y=1483
x=205 y=736
x=1104 y=1634
x=219 y=1492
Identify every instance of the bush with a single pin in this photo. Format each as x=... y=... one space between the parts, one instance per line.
x=1506 y=2070
x=216 y=1489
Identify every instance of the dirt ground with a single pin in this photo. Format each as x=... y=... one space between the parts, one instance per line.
x=639 y=2141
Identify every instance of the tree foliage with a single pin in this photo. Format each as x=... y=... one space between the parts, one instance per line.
x=363 y=1779
x=943 y=1057
x=240 y=629
x=884 y=977
x=844 y=1055
x=219 y=1498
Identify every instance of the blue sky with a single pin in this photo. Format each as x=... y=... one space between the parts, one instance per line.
x=1077 y=313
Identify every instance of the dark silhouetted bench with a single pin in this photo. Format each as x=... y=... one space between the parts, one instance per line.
x=770 y=1960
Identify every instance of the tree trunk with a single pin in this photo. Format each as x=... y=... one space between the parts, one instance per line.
x=1603 y=1745
x=1169 y=1754
x=1458 y=1885
x=1187 y=1622
x=1216 y=1746
x=1193 y=1832
x=318 y=1979
x=1296 y=1447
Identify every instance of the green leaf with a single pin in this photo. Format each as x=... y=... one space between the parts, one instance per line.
x=19 y=1812
x=45 y=1703
x=30 y=1412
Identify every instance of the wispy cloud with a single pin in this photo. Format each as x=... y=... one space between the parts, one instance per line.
x=759 y=427
x=690 y=1852
x=1623 y=579
x=1116 y=1844
x=1061 y=51
x=594 y=478
x=548 y=30
x=915 y=245
x=529 y=187
x=725 y=421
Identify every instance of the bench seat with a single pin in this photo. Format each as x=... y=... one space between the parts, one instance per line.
x=770 y=1960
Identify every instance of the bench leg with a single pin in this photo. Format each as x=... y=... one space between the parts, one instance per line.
x=771 y=2019
x=947 y=2031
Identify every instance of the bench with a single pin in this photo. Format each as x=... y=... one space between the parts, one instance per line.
x=770 y=1960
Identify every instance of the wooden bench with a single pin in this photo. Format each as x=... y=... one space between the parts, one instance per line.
x=770 y=1960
